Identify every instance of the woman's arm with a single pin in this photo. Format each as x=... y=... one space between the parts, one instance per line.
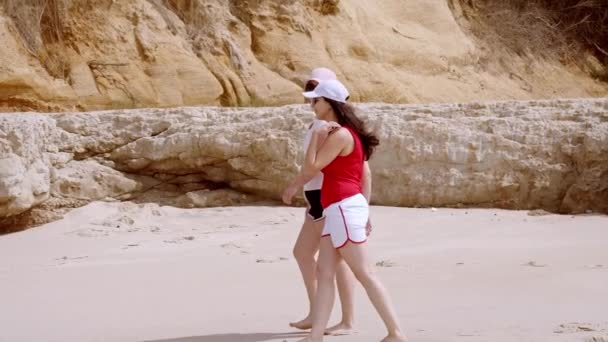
x=315 y=161
x=366 y=182
x=313 y=149
x=324 y=147
x=366 y=187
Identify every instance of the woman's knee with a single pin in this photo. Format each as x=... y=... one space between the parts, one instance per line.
x=364 y=275
x=325 y=272
x=306 y=247
x=303 y=254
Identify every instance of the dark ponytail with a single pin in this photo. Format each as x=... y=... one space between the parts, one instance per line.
x=346 y=117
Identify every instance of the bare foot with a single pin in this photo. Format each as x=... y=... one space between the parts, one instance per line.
x=304 y=324
x=340 y=329
x=395 y=338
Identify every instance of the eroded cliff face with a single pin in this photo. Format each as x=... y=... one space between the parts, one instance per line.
x=522 y=155
x=108 y=54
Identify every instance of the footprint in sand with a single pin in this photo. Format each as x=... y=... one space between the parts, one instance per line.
x=270 y=261
x=533 y=263
x=126 y=220
x=131 y=245
x=596 y=267
x=578 y=327
x=128 y=223
x=272 y=222
x=386 y=263
x=232 y=247
x=65 y=259
x=106 y=223
x=180 y=239
x=122 y=222
x=89 y=232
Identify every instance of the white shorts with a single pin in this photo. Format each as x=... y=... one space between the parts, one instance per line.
x=346 y=220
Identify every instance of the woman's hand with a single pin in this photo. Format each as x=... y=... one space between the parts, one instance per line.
x=368 y=227
x=288 y=193
x=325 y=130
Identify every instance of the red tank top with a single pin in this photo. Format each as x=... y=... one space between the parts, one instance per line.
x=342 y=177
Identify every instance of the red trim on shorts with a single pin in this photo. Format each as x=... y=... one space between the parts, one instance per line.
x=325 y=235
x=355 y=242
x=346 y=229
x=344 y=244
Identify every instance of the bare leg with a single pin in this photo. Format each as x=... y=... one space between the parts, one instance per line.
x=345 y=281
x=324 y=300
x=356 y=257
x=304 y=252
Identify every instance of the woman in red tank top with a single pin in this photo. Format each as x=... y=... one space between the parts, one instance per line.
x=346 y=145
x=308 y=241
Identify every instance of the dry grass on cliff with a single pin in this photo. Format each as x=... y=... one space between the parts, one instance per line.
x=187 y=10
x=563 y=29
x=329 y=7
x=40 y=24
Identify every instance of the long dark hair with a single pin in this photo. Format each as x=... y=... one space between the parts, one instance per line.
x=346 y=117
x=310 y=85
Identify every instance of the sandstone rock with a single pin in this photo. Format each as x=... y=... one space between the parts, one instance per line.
x=214 y=198
x=550 y=155
x=24 y=163
x=164 y=53
x=88 y=180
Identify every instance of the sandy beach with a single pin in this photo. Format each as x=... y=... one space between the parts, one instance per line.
x=141 y=272
x=174 y=128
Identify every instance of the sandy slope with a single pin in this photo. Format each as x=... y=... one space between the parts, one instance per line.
x=144 y=53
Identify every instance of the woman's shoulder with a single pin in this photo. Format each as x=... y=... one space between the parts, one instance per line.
x=341 y=133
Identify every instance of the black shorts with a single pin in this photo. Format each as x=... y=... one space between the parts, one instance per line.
x=315 y=209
